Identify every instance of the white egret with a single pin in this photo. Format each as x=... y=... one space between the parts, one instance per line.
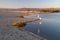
x=39 y=17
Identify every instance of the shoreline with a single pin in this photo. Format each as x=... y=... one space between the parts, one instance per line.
x=32 y=35
x=8 y=32
x=27 y=34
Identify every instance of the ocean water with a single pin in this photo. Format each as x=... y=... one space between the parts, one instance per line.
x=48 y=27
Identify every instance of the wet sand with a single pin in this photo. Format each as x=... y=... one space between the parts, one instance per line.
x=13 y=33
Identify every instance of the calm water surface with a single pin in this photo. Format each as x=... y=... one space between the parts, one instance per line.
x=48 y=27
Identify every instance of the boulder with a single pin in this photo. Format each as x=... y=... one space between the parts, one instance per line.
x=19 y=24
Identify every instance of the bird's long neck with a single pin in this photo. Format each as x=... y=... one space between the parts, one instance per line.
x=38 y=16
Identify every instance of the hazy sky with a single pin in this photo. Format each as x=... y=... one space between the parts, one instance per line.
x=29 y=3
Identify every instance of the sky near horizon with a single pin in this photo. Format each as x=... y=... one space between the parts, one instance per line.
x=29 y=3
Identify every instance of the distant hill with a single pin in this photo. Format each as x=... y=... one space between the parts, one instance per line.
x=28 y=9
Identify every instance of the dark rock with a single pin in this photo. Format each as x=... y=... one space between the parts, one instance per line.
x=19 y=24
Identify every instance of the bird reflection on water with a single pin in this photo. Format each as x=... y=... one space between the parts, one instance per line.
x=38 y=30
